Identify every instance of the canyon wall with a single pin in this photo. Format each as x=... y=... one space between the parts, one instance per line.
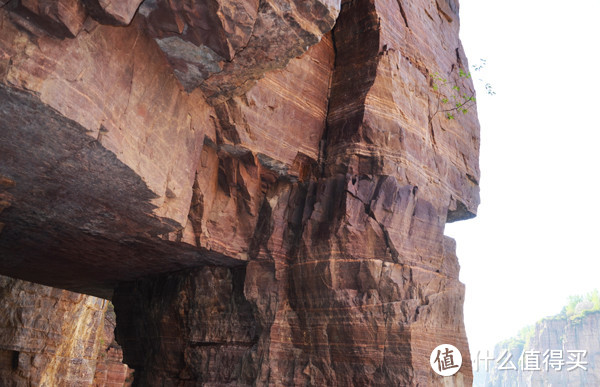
x=53 y=337
x=261 y=187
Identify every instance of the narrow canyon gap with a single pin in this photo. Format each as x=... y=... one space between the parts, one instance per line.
x=260 y=187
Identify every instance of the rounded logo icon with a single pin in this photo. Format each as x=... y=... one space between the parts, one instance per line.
x=445 y=360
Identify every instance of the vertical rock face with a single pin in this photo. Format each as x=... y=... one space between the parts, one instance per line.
x=48 y=337
x=110 y=369
x=382 y=119
x=301 y=175
x=52 y=337
x=341 y=213
x=204 y=345
x=270 y=134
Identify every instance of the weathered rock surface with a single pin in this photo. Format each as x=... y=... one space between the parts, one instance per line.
x=112 y=12
x=269 y=134
x=110 y=369
x=223 y=46
x=282 y=224
x=48 y=336
x=102 y=179
x=105 y=150
x=207 y=345
x=350 y=277
x=63 y=18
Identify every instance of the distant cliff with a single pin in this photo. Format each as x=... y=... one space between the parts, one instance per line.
x=562 y=350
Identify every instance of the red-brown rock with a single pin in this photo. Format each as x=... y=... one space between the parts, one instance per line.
x=272 y=132
x=110 y=369
x=61 y=18
x=351 y=279
x=207 y=345
x=112 y=12
x=48 y=336
x=221 y=26
x=224 y=46
x=303 y=189
x=88 y=104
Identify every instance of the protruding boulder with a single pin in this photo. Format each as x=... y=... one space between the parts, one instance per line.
x=118 y=13
x=61 y=18
x=224 y=46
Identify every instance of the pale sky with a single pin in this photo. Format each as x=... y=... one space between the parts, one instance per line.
x=535 y=239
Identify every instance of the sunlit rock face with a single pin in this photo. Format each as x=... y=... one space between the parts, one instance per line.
x=48 y=336
x=53 y=337
x=261 y=187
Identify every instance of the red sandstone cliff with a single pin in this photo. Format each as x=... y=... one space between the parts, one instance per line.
x=261 y=187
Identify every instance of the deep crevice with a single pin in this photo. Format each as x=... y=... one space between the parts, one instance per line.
x=403 y=13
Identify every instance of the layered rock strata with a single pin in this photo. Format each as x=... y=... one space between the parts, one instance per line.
x=301 y=177
x=53 y=337
x=48 y=336
x=98 y=118
x=350 y=277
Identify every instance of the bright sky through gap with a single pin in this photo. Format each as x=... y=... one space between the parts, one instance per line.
x=535 y=239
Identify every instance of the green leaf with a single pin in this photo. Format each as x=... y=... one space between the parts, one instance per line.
x=445 y=100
